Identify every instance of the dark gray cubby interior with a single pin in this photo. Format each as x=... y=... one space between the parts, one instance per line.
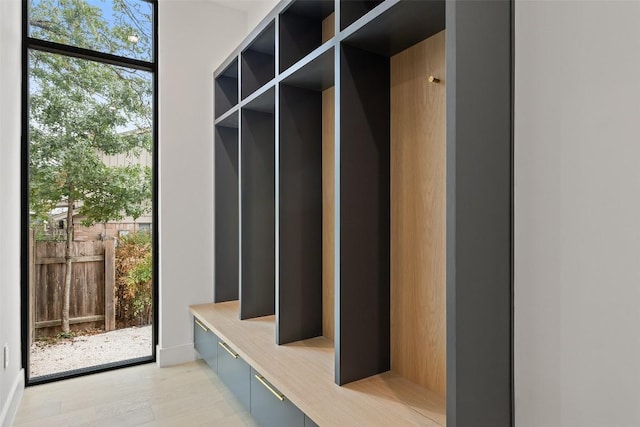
x=226 y=89
x=352 y=10
x=400 y=27
x=257 y=282
x=226 y=213
x=300 y=234
x=301 y=29
x=317 y=75
x=364 y=288
x=363 y=318
x=300 y=222
x=259 y=61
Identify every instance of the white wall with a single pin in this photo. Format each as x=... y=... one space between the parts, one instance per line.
x=257 y=11
x=12 y=378
x=195 y=37
x=577 y=240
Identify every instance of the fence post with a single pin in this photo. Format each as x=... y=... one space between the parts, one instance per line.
x=109 y=285
x=32 y=285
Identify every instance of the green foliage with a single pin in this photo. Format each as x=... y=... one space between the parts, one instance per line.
x=44 y=236
x=134 y=280
x=79 y=111
x=66 y=335
x=142 y=272
x=78 y=23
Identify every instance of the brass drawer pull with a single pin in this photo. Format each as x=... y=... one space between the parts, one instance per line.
x=204 y=328
x=264 y=383
x=226 y=347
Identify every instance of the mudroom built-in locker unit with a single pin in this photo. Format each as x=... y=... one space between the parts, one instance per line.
x=363 y=214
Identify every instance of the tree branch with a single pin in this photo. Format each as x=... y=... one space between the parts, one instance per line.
x=47 y=26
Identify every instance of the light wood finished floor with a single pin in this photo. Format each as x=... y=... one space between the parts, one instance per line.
x=184 y=395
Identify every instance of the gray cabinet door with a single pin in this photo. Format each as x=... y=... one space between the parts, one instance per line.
x=235 y=373
x=270 y=408
x=206 y=344
x=308 y=422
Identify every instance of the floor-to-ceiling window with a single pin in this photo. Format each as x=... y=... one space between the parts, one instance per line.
x=89 y=186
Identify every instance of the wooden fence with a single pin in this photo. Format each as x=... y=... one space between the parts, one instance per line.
x=92 y=286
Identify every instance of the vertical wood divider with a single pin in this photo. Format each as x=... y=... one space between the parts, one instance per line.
x=110 y=284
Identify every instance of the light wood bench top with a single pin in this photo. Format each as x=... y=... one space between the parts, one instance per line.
x=303 y=372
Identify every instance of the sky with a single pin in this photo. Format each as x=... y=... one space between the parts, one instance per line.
x=144 y=18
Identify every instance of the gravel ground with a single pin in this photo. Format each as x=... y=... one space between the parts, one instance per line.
x=90 y=350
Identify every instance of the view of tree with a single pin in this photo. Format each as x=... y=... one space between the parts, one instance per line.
x=81 y=111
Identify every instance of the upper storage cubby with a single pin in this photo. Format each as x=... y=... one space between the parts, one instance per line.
x=306 y=224
x=316 y=75
x=304 y=26
x=352 y=10
x=257 y=206
x=226 y=209
x=226 y=89
x=397 y=28
x=259 y=61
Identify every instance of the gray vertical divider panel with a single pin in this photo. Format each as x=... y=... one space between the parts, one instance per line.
x=479 y=201
x=226 y=214
x=276 y=105
x=257 y=291
x=363 y=320
x=337 y=55
x=300 y=269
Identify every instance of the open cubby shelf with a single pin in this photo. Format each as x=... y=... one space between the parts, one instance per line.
x=257 y=200
x=317 y=74
x=226 y=210
x=259 y=61
x=398 y=28
x=337 y=175
x=352 y=10
x=226 y=89
x=230 y=119
x=304 y=26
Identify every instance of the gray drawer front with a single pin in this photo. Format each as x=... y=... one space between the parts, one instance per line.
x=235 y=373
x=206 y=344
x=268 y=410
x=308 y=422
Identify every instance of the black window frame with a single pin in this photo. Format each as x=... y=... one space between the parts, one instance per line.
x=30 y=43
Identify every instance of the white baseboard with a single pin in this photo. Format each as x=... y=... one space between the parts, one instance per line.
x=175 y=355
x=10 y=409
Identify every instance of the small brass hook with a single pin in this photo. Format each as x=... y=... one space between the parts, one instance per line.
x=434 y=79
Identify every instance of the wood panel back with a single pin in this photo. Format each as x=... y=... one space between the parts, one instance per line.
x=418 y=203
x=328 y=27
x=328 y=211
